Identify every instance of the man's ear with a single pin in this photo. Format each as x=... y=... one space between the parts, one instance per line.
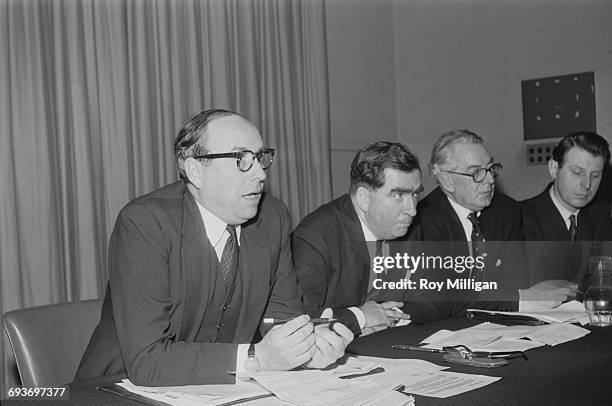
x=443 y=178
x=193 y=170
x=553 y=167
x=362 y=198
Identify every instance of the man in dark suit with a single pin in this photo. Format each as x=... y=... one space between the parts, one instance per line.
x=565 y=224
x=195 y=266
x=333 y=247
x=465 y=218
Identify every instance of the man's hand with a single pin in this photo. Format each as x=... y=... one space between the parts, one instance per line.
x=546 y=295
x=381 y=315
x=330 y=343
x=288 y=345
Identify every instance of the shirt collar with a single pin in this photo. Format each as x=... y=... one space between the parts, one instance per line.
x=565 y=213
x=215 y=227
x=461 y=211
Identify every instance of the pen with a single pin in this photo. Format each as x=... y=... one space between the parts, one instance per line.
x=413 y=348
x=274 y=321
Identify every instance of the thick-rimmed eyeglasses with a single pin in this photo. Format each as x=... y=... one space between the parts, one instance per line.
x=245 y=158
x=481 y=173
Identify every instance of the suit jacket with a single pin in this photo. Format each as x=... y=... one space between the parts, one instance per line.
x=550 y=253
x=444 y=236
x=162 y=279
x=332 y=261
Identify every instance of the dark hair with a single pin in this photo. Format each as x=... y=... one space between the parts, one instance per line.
x=368 y=167
x=191 y=139
x=589 y=141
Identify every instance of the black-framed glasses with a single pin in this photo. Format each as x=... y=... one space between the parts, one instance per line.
x=481 y=173
x=245 y=158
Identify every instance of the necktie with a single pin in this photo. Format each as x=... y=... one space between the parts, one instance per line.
x=478 y=238
x=573 y=230
x=371 y=291
x=229 y=259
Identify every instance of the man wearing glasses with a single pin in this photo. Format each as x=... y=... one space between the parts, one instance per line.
x=464 y=217
x=196 y=265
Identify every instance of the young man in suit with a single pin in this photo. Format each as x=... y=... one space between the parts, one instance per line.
x=334 y=246
x=565 y=224
x=464 y=217
x=195 y=265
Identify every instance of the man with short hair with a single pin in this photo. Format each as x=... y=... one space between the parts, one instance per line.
x=195 y=265
x=334 y=246
x=464 y=217
x=565 y=224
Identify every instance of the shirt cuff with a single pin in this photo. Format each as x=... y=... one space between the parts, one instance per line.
x=359 y=316
x=241 y=356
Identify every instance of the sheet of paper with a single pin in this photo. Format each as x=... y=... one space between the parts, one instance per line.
x=197 y=395
x=442 y=384
x=488 y=337
x=557 y=333
x=315 y=387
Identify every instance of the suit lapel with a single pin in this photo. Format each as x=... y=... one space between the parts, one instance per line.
x=255 y=269
x=359 y=260
x=196 y=255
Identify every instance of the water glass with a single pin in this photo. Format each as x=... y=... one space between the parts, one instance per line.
x=598 y=295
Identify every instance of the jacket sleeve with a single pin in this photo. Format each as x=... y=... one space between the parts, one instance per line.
x=311 y=262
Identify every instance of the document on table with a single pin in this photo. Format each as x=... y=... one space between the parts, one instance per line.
x=198 y=395
x=315 y=387
x=493 y=337
x=570 y=311
x=420 y=377
x=442 y=384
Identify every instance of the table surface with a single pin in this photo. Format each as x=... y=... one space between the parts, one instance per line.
x=573 y=373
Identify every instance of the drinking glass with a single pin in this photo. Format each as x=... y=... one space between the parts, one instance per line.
x=598 y=295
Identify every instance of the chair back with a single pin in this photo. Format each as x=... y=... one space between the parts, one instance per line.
x=49 y=341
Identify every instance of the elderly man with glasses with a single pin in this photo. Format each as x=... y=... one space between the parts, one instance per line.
x=197 y=265
x=477 y=233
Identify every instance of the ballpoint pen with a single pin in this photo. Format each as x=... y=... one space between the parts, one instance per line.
x=413 y=348
x=275 y=321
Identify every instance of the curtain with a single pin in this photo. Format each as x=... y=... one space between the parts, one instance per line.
x=92 y=93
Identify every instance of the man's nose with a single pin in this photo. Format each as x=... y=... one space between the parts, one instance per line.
x=257 y=172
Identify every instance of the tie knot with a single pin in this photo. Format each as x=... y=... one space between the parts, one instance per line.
x=231 y=229
x=473 y=218
x=572 y=219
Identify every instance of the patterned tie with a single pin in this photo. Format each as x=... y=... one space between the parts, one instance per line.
x=229 y=259
x=479 y=247
x=573 y=229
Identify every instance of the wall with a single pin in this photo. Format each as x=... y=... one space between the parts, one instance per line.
x=361 y=55
x=459 y=64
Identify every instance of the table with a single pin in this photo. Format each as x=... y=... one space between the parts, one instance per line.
x=578 y=372
x=574 y=373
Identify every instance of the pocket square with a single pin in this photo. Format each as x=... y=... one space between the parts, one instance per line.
x=498 y=263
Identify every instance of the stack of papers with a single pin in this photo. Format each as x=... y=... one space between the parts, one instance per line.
x=393 y=386
x=491 y=337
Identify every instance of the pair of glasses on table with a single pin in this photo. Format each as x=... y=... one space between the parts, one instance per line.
x=245 y=158
x=462 y=355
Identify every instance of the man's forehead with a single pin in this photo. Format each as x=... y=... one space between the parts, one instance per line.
x=470 y=155
x=395 y=179
x=232 y=132
x=583 y=158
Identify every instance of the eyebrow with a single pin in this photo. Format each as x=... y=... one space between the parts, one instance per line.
x=238 y=149
x=407 y=190
x=489 y=162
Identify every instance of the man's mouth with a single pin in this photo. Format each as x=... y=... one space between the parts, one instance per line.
x=252 y=195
